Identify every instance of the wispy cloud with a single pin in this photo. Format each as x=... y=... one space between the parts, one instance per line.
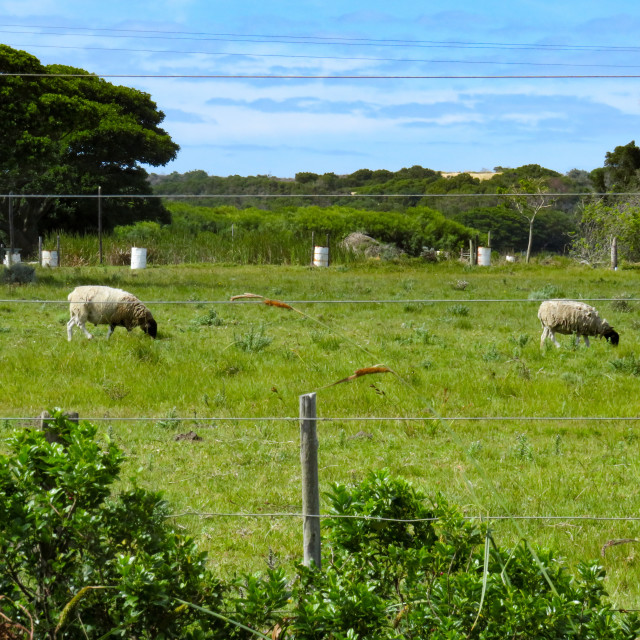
x=282 y=126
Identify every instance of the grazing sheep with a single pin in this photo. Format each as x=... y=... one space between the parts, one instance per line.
x=105 y=305
x=568 y=317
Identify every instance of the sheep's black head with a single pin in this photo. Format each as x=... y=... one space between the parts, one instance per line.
x=612 y=336
x=151 y=327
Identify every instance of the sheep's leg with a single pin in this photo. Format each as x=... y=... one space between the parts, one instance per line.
x=111 y=328
x=75 y=321
x=553 y=338
x=84 y=329
x=586 y=340
x=545 y=335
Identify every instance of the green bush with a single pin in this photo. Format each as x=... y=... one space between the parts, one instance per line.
x=18 y=273
x=78 y=561
x=438 y=575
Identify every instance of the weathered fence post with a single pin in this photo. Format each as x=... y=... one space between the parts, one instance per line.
x=11 y=243
x=100 y=223
x=310 y=486
x=614 y=254
x=313 y=247
x=473 y=251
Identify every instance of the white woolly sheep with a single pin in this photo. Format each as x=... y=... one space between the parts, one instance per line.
x=569 y=317
x=106 y=305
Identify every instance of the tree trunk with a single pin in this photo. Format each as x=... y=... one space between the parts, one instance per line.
x=27 y=214
x=530 y=241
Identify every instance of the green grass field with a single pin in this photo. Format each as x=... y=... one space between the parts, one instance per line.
x=454 y=357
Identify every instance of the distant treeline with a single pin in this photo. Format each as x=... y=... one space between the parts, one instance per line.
x=407 y=193
x=416 y=182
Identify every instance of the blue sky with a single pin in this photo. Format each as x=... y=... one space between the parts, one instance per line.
x=281 y=126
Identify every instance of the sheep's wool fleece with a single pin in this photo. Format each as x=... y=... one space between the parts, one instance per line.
x=569 y=316
x=106 y=305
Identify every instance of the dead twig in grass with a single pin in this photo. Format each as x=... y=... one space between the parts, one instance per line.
x=366 y=371
x=613 y=543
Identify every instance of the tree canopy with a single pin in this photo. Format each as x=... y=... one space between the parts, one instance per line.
x=621 y=171
x=68 y=132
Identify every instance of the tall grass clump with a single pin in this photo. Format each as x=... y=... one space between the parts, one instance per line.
x=547 y=292
x=629 y=364
x=253 y=340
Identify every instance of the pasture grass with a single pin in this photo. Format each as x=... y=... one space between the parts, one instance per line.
x=246 y=363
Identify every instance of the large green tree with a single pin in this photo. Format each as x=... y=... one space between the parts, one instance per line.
x=621 y=171
x=67 y=132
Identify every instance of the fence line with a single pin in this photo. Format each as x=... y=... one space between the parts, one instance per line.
x=348 y=419
x=402 y=301
x=328 y=516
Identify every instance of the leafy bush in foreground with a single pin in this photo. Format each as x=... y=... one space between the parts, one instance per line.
x=444 y=578
x=80 y=562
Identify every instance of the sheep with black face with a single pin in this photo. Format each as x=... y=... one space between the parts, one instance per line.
x=106 y=305
x=568 y=317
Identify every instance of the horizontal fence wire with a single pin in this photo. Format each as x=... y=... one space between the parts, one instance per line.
x=323 y=516
x=348 y=419
x=257 y=76
x=261 y=301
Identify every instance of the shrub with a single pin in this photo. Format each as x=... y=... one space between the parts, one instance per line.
x=403 y=566
x=622 y=303
x=81 y=562
x=208 y=319
x=18 y=273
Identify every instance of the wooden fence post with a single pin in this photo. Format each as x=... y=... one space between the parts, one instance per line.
x=313 y=248
x=11 y=243
x=614 y=254
x=310 y=486
x=473 y=251
x=100 y=223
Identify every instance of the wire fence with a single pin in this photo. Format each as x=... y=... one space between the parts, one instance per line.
x=354 y=301
x=200 y=420
x=469 y=518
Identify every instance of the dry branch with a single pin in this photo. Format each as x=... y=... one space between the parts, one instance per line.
x=613 y=543
x=362 y=372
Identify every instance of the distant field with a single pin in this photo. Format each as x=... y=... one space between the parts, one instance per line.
x=463 y=343
x=480 y=175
